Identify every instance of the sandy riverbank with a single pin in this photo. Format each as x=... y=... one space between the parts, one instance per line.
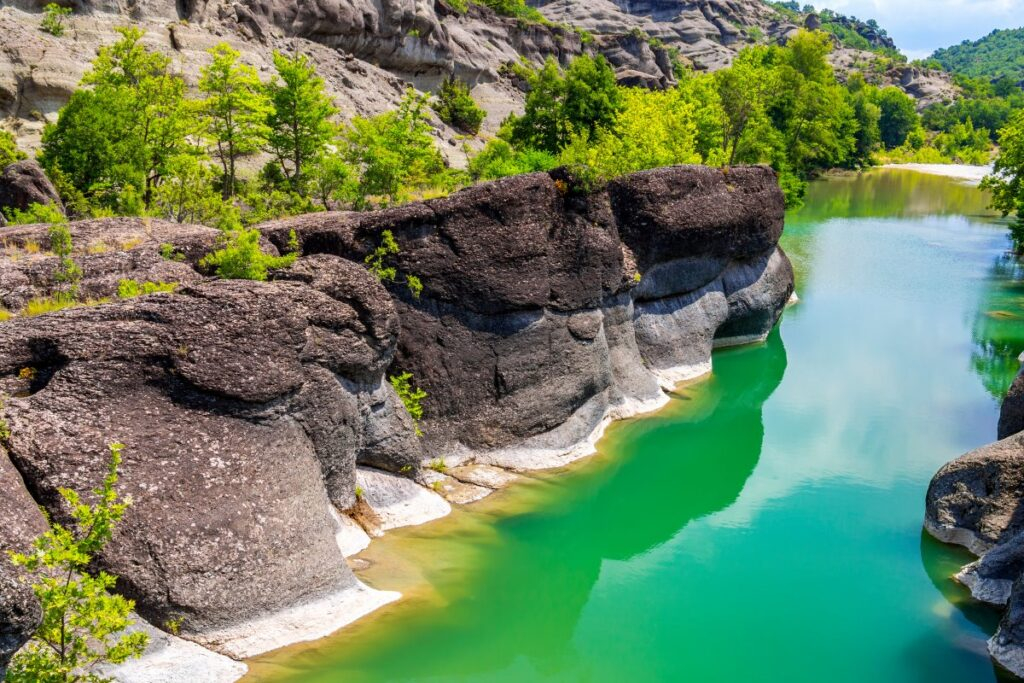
x=972 y=174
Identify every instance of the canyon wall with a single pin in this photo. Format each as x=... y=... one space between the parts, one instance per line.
x=263 y=442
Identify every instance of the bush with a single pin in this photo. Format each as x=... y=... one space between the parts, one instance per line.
x=9 y=152
x=241 y=257
x=456 y=107
x=412 y=397
x=83 y=624
x=36 y=213
x=498 y=160
x=53 y=19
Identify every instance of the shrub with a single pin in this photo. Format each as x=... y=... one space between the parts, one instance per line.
x=377 y=261
x=36 y=213
x=457 y=108
x=241 y=257
x=68 y=274
x=9 y=152
x=412 y=397
x=83 y=624
x=53 y=19
x=499 y=159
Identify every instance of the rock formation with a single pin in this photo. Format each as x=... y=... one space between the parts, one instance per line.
x=976 y=501
x=24 y=183
x=252 y=413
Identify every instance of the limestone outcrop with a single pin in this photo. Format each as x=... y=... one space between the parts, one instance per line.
x=976 y=501
x=263 y=441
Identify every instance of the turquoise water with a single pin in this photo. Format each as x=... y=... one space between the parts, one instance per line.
x=766 y=526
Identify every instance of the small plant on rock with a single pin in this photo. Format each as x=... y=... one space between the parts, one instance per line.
x=68 y=274
x=83 y=623
x=53 y=19
x=439 y=466
x=242 y=257
x=456 y=107
x=412 y=397
x=378 y=262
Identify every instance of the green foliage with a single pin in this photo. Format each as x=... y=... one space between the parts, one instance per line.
x=241 y=257
x=129 y=289
x=514 y=8
x=499 y=159
x=299 y=120
x=186 y=193
x=557 y=107
x=9 y=152
x=120 y=131
x=234 y=113
x=411 y=396
x=393 y=153
x=83 y=623
x=68 y=274
x=1007 y=180
x=53 y=19
x=169 y=253
x=379 y=263
x=456 y=107
x=999 y=54
x=331 y=180
x=438 y=465
x=36 y=213
x=898 y=116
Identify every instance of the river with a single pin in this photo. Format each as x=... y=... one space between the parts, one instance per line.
x=766 y=525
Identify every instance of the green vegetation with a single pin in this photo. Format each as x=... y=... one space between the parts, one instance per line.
x=129 y=289
x=438 y=466
x=241 y=257
x=1007 y=181
x=998 y=55
x=9 y=152
x=411 y=396
x=378 y=263
x=456 y=107
x=36 y=213
x=68 y=274
x=83 y=623
x=53 y=19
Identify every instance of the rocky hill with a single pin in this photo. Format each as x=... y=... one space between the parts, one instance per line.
x=369 y=52
x=262 y=441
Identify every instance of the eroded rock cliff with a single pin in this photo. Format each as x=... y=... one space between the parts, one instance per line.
x=253 y=413
x=976 y=501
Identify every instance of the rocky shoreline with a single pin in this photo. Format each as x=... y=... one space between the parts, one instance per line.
x=263 y=440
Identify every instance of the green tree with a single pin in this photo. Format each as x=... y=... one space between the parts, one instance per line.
x=83 y=623
x=53 y=19
x=499 y=159
x=300 y=121
x=234 y=112
x=124 y=128
x=241 y=256
x=1007 y=180
x=456 y=107
x=186 y=194
x=585 y=100
x=393 y=152
x=68 y=274
x=330 y=179
x=898 y=116
x=742 y=91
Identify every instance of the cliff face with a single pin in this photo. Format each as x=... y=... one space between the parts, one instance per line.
x=250 y=411
x=976 y=501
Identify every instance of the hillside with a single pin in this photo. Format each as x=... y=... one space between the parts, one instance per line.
x=999 y=54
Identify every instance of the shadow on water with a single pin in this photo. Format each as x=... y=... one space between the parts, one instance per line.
x=526 y=595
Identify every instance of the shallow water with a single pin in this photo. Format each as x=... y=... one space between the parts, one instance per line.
x=766 y=526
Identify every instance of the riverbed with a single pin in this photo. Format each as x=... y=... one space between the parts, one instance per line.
x=766 y=525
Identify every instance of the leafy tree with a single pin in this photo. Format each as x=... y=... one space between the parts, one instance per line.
x=9 y=152
x=742 y=90
x=899 y=116
x=124 y=129
x=299 y=122
x=586 y=99
x=67 y=274
x=1007 y=180
x=186 y=194
x=235 y=111
x=456 y=107
x=393 y=152
x=330 y=179
x=83 y=623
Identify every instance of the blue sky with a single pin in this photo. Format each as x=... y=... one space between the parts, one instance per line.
x=921 y=26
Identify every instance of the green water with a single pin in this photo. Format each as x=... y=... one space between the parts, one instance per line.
x=766 y=526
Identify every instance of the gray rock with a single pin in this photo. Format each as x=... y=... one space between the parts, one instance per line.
x=23 y=184
x=1011 y=415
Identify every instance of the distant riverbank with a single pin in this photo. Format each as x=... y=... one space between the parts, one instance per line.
x=973 y=174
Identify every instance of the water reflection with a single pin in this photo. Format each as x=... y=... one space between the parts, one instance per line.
x=999 y=328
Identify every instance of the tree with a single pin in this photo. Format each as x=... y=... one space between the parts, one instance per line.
x=742 y=91
x=83 y=623
x=1007 y=180
x=394 y=151
x=186 y=194
x=456 y=107
x=299 y=122
x=898 y=116
x=331 y=179
x=234 y=112
x=586 y=99
x=123 y=129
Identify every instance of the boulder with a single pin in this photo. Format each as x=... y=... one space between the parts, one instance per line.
x=23 y=184
x=1011 y=415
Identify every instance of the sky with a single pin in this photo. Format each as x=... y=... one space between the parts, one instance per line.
x=919 y=27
